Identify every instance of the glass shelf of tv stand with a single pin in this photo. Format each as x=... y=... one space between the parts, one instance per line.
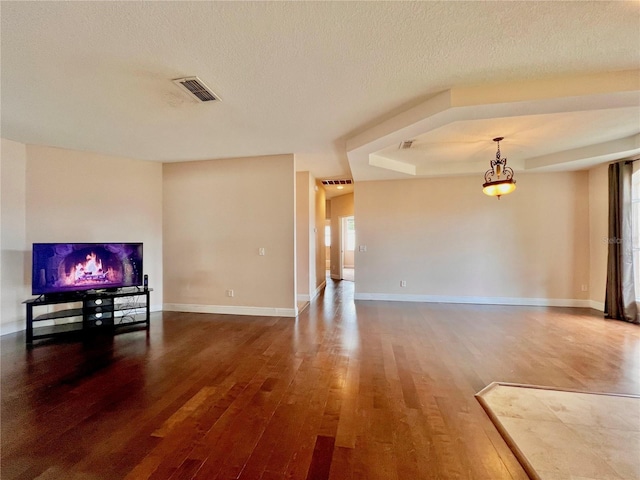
x=49 y=331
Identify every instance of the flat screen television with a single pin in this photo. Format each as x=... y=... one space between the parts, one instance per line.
x=60 y=268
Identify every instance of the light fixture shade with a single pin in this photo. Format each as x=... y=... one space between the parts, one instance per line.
x=496 y=189
x=498 y=180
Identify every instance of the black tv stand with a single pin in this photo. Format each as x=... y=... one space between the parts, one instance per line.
x=55 y=297
x=87 y=312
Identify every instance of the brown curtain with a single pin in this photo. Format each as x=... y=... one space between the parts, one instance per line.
x=620 y=298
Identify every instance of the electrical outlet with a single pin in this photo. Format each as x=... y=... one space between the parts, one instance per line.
x=403 y=283
x=585 y=288
x=362 y=248
x=261 y=252
x=229 y=293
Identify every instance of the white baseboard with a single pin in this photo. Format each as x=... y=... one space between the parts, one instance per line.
x=307 y=299
x=232 y=310
x=300 y=309
x=319 y=289
x=303 y=297
x=19 y=325
x=538 y=302
x=12 y=327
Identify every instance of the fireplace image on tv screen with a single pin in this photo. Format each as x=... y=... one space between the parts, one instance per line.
x=73 y=267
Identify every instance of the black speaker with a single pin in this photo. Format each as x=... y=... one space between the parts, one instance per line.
x=145 y=281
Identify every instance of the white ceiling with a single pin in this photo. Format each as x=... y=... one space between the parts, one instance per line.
x=306 y=77
x=525 y=137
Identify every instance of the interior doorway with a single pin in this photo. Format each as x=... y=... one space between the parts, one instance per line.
x=327 y=246
x=347 y=248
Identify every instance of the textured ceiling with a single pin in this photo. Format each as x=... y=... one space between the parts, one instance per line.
x=294 y=77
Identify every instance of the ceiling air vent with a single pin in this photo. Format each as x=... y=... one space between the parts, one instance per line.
x=194 y=87
x=337 y=182
x=406 y=144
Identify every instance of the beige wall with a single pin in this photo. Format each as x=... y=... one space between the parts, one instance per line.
x=14 y=276
x=598 y=233
x=543 y=242
x=77 y=196
x=310 y=251
x=303 y=219
x=320 y=220
x=342 y=206
x=450 y=242
x=217 y=214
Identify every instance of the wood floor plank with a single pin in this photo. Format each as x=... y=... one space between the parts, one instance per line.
x=347 y=391
x=321 y=459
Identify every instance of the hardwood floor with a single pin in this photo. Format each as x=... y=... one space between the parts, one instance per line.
x=365 y=390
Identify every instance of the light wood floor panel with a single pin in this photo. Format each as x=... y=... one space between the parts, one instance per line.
x=348 y=391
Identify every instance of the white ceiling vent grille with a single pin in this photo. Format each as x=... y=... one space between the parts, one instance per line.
x=337 y=182
x=406 y=144
x=195 y=88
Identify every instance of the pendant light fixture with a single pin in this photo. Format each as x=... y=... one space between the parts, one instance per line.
x=498 y=180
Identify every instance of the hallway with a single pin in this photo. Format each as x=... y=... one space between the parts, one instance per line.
x=348 y=390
